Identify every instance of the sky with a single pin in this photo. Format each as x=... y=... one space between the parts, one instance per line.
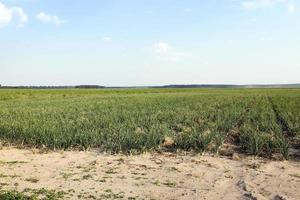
x=149 y=42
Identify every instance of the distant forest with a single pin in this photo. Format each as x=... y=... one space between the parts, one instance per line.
x=164 y=86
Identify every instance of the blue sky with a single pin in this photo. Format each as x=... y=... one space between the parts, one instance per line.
x=149 y=42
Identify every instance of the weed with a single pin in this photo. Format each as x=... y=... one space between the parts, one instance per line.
x=32 y=179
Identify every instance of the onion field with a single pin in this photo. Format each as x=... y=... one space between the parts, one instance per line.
x=257 y=121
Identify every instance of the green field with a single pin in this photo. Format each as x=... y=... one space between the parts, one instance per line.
x=259 y=121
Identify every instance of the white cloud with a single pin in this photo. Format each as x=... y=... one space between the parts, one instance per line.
x=291 y=8
x=260 y=4
x=166 y=52
x=161 y=47
x=106 y=39
x=7 y=14
x=177 y=56
x=23 y=17
x=46 y=18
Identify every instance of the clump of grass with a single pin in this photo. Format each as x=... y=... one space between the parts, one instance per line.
x=12 y=162
x=170 y=184
x=109 y=194
x=32 y=179
x=8 y=176
x=66 y=175
x=45 y=194
x=31 y=194
x=173 y=169
x=14 y=195
x=157 y=183
x=86 y=177
x=111 y=171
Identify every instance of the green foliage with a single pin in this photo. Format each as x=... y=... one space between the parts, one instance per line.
x=12 y=195
x=31 y=194
x=137 y=120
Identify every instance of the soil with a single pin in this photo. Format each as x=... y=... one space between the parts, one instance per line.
x=95 y=175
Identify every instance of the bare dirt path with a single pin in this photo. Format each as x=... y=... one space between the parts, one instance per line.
x=92 y=175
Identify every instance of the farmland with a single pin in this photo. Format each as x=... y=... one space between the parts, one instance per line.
x=149 y=143
x=257 y=121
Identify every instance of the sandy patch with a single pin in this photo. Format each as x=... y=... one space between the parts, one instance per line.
x=93 y=175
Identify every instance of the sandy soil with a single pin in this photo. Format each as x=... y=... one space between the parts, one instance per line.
x=92 y=175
